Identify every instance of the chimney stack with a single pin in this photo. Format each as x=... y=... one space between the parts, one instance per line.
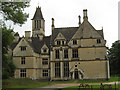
x=85 y=17
x=27 y=34
x=79 y=20
x=53 y=24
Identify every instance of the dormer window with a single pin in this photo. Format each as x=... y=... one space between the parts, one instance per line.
x=58 y=42
x=98 y=41
x=74 y=42
x=23 y=48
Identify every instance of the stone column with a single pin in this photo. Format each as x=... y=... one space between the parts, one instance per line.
x=73 y=76
x=61 y=67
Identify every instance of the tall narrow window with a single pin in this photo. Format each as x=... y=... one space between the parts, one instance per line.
x=45 y=73
x=75 y=53
x=45 y=61
x=66 y=69
x=22 y=60
x=57 y=54
x=63 y=43
x=74 y=42
x=37 y=23
x=23 y=73
x=98 y=41
x=57 y=69
x=58 y=42
x=65 y=53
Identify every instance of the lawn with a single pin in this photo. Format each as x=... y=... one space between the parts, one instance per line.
x=28 y=83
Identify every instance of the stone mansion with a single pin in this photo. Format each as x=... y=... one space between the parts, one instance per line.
x=68 y=53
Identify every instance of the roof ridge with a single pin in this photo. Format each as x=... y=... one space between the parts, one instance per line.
x=65 y=27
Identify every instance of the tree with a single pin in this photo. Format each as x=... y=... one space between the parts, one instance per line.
x=114 y=58
x=12 y=11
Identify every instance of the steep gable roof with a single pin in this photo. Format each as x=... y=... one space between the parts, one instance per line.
x=38 y=14
x=68 y=32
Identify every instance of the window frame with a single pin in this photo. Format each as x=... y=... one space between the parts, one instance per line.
x=66 y=69
x=75 y=53
x=57 y=69
x=23 y=61
x=98 y=41
x=74 y=42
x=23 y=48
x=65 y=53
x=23 y=73
x=57 y=54
x=44 y=61
x=45 y=72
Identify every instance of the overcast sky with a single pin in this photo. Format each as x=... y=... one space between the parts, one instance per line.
x=101 y=13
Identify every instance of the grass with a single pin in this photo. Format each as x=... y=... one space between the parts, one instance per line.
x=93 y=87
x=28 y=83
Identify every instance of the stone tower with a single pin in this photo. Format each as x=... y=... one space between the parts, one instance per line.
x=38 y=27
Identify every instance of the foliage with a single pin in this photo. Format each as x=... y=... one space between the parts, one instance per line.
x=114 y=58
x=7 y=64
x=14 y=11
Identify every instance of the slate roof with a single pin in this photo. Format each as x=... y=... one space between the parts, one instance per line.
x=36 y=44
x=38 y=14
x=68 y=32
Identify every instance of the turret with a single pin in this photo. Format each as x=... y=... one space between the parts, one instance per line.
x=38 y=24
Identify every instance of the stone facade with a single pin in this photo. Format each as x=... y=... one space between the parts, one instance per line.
x=69 y=53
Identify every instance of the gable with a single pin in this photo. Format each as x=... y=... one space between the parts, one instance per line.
x=23 y=43
x=60 y=36
x=86 y=30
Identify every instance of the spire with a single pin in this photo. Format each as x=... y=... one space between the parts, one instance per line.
x=38 y=13
x=85 y=17
x=79 y=20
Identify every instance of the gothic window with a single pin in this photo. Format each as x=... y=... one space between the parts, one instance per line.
x=22 y=60
x=98 y=41
x=57 y=69
x=58 y=42
x=45 y=61
x=23 y=73
x=65 y=53
x=75 y=53
x=23 y=48
x=74 y=42
x=66 y=69
x=57 y=54
x=37 y=23
x=45 y=73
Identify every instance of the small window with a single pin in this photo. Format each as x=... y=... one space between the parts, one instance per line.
x=22 y=60
x=45 y=61
x=98 y=41
x=45 y=73
x=23 y=73
x=23 y=48
x=74 y=42
x=44 y=50
x=58 y=42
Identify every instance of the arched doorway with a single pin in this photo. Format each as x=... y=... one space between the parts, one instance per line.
x=76 y=74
